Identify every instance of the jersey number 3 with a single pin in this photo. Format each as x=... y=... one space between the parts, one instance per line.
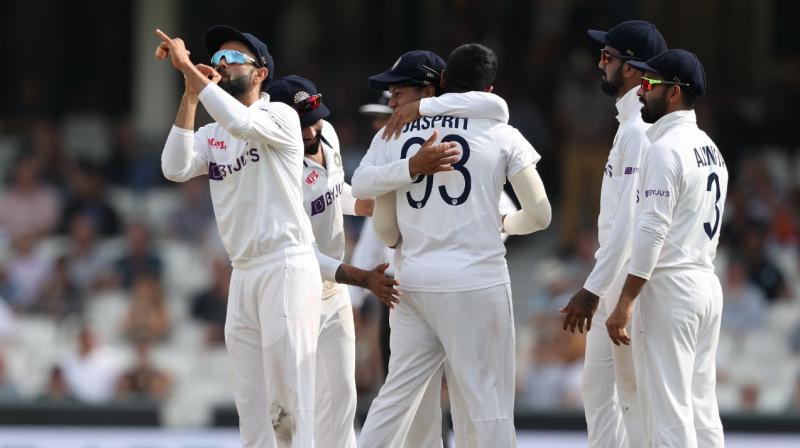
x=458 y=166
x=711 y=230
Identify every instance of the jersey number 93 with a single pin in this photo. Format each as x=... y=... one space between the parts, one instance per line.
x=458 y=166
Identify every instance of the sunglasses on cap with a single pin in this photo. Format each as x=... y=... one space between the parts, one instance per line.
x=308 y=104
x=231 y=57
x=606 y=56
x=648 y=83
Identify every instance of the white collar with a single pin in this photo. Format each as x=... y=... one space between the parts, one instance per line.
x=670 y=120
x=628 y=105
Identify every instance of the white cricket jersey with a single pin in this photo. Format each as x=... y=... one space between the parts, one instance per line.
x=683 y=186
x=253 y=157
x=370 y=250
x=371 y=181
x=618 y=195
x=326 y=198
x=450 y=221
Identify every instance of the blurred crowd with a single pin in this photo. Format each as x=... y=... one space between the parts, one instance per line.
x=114 y=283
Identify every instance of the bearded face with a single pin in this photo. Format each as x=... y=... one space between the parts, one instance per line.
x=612 y=80
x=235 y=84
x=654 y=104
x=312 y=138
x=312 y=146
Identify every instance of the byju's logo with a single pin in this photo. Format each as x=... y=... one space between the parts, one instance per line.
x=318 y=205
x=219 y=171
x=214 y=171
x=631 y=170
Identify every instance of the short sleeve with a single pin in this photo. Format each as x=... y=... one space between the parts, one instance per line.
x=519 y=152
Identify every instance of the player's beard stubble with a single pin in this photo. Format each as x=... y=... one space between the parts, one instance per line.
x=312 y=147
x=613 y=84
x=236 y=86
x=654 y=107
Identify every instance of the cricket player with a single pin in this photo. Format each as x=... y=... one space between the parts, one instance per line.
x=609 y=383
x=452 y=268
x=326 y=199
x=415 y=80
x=253 y=157
x=676 y=319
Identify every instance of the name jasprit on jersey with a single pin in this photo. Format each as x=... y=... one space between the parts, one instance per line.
x=444 y=122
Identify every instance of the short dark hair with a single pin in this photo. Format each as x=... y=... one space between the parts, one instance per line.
x=470 y=67
x=688 y=97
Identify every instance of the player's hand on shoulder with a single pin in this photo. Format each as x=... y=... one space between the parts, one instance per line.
x=434 y=157
x=579 y=311
x=401 y=116
x=383 y=286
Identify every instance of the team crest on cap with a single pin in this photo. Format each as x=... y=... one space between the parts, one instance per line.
x=300 y=96
x=629 y=51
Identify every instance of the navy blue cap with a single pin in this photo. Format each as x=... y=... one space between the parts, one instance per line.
x=293 y=90
x=416 y=68
x=219 y=34
x=636 y=40
x=679 y=66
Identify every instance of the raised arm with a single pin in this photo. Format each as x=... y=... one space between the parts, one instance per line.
x=466 y=105
x=180 y=161
x=276 y=124
x=463 y=105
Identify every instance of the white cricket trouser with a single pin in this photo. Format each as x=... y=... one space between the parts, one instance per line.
x=474 y=330
x=336 y=374
x=676 y=330
x=426 y=428
x=271 y=337
x=610 y=402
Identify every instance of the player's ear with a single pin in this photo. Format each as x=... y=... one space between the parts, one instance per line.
x=630 y=72
x=674 y=94
x=489 y=89
x=261 y=74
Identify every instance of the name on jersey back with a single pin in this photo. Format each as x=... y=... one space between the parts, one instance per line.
x=443 y=121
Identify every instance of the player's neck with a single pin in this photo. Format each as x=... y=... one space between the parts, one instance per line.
x=319 y=157
x=249 y=98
